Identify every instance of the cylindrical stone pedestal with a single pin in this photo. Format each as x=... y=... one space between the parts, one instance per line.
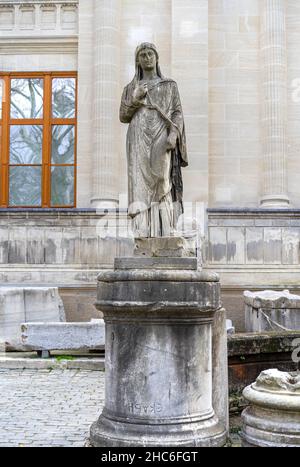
x=273 y=418
x=158 y=357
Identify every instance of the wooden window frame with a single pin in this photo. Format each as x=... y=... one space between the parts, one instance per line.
x=47 y=122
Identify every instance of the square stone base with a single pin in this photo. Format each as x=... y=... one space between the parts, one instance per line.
x=171 y=247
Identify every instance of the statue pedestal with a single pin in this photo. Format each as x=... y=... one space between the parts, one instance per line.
x=160 y=367
x=273 y=417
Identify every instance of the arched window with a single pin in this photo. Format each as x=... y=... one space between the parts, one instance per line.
x=38 y=139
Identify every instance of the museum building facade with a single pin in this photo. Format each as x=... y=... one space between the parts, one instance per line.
x=63 y=182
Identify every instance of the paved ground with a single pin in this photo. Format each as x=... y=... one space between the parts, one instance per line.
x=48 y=408
x=45 y=407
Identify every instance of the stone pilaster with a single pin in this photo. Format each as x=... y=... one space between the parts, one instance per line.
x=85 y=103
x=274 y=102
x=106 y=103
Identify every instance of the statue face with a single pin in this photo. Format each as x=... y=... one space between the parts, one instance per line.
x=147 y=59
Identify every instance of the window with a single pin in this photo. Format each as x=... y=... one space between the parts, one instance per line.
x=38 y=139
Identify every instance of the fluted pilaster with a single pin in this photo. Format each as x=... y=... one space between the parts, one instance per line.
x=274 y=102
x=106 y=102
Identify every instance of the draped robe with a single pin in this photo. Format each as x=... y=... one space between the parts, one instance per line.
x=154 y=173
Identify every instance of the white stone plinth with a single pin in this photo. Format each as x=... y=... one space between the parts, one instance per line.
x=273 y=418
x=64 y=336
x=269 y=310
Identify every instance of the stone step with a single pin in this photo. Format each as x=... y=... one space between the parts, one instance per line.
x=93 y=364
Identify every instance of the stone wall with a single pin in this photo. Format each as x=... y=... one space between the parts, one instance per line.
x=65 y=247
x=260 y=247
x=38 y=36
x=249 y=354
x=234 y=103
x=252 y=249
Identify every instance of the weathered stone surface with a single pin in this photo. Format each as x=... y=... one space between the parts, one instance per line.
x=270 y=310
x=165 y=247
x=219 y=367
x=229 y=327
x=272 y=299
x=275 y=380
x=156 y=263
x=273 y=418
x=154 y=157
x=21 y=304
x=159 y=365
x=158 y=291
x=265 y=343
x=93 y=364
x=63 y=336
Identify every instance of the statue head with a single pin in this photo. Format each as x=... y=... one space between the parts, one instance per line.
x=146 y=58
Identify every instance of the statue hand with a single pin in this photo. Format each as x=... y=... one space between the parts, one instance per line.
x=171 y=141
x=140 y=92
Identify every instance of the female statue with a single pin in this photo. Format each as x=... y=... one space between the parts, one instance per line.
x=156 y=147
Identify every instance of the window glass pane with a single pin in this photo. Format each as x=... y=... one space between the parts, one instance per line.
x=25 y=186
x=63 y=97
x=62 y=186
x=63 y=138
x=26 y=98
x=26 y=144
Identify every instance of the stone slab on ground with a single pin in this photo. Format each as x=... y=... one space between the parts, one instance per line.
x=23 y=304
x=15 y=363
x=64 y=336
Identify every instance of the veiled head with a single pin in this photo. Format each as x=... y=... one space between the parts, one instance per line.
x=146 y=58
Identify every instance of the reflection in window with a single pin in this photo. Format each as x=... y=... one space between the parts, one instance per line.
x=26 y=144
x=25 y=186
x=63 y=97
x=62 y=186
x=26 y=98
x=63 y=140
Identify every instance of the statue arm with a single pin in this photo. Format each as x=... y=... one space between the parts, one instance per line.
x=128 y=107
x=177 y=118
x=177 y=115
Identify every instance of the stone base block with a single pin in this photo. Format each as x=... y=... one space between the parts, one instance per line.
x=63 y=336
x=271 y=311
x=208 y=433
x=156 y=263
x=165 y=247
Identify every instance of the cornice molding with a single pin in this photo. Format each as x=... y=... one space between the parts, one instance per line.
x=38 y=45
x=5 y=3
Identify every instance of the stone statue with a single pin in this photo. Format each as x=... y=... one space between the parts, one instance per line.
x=156 y=147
